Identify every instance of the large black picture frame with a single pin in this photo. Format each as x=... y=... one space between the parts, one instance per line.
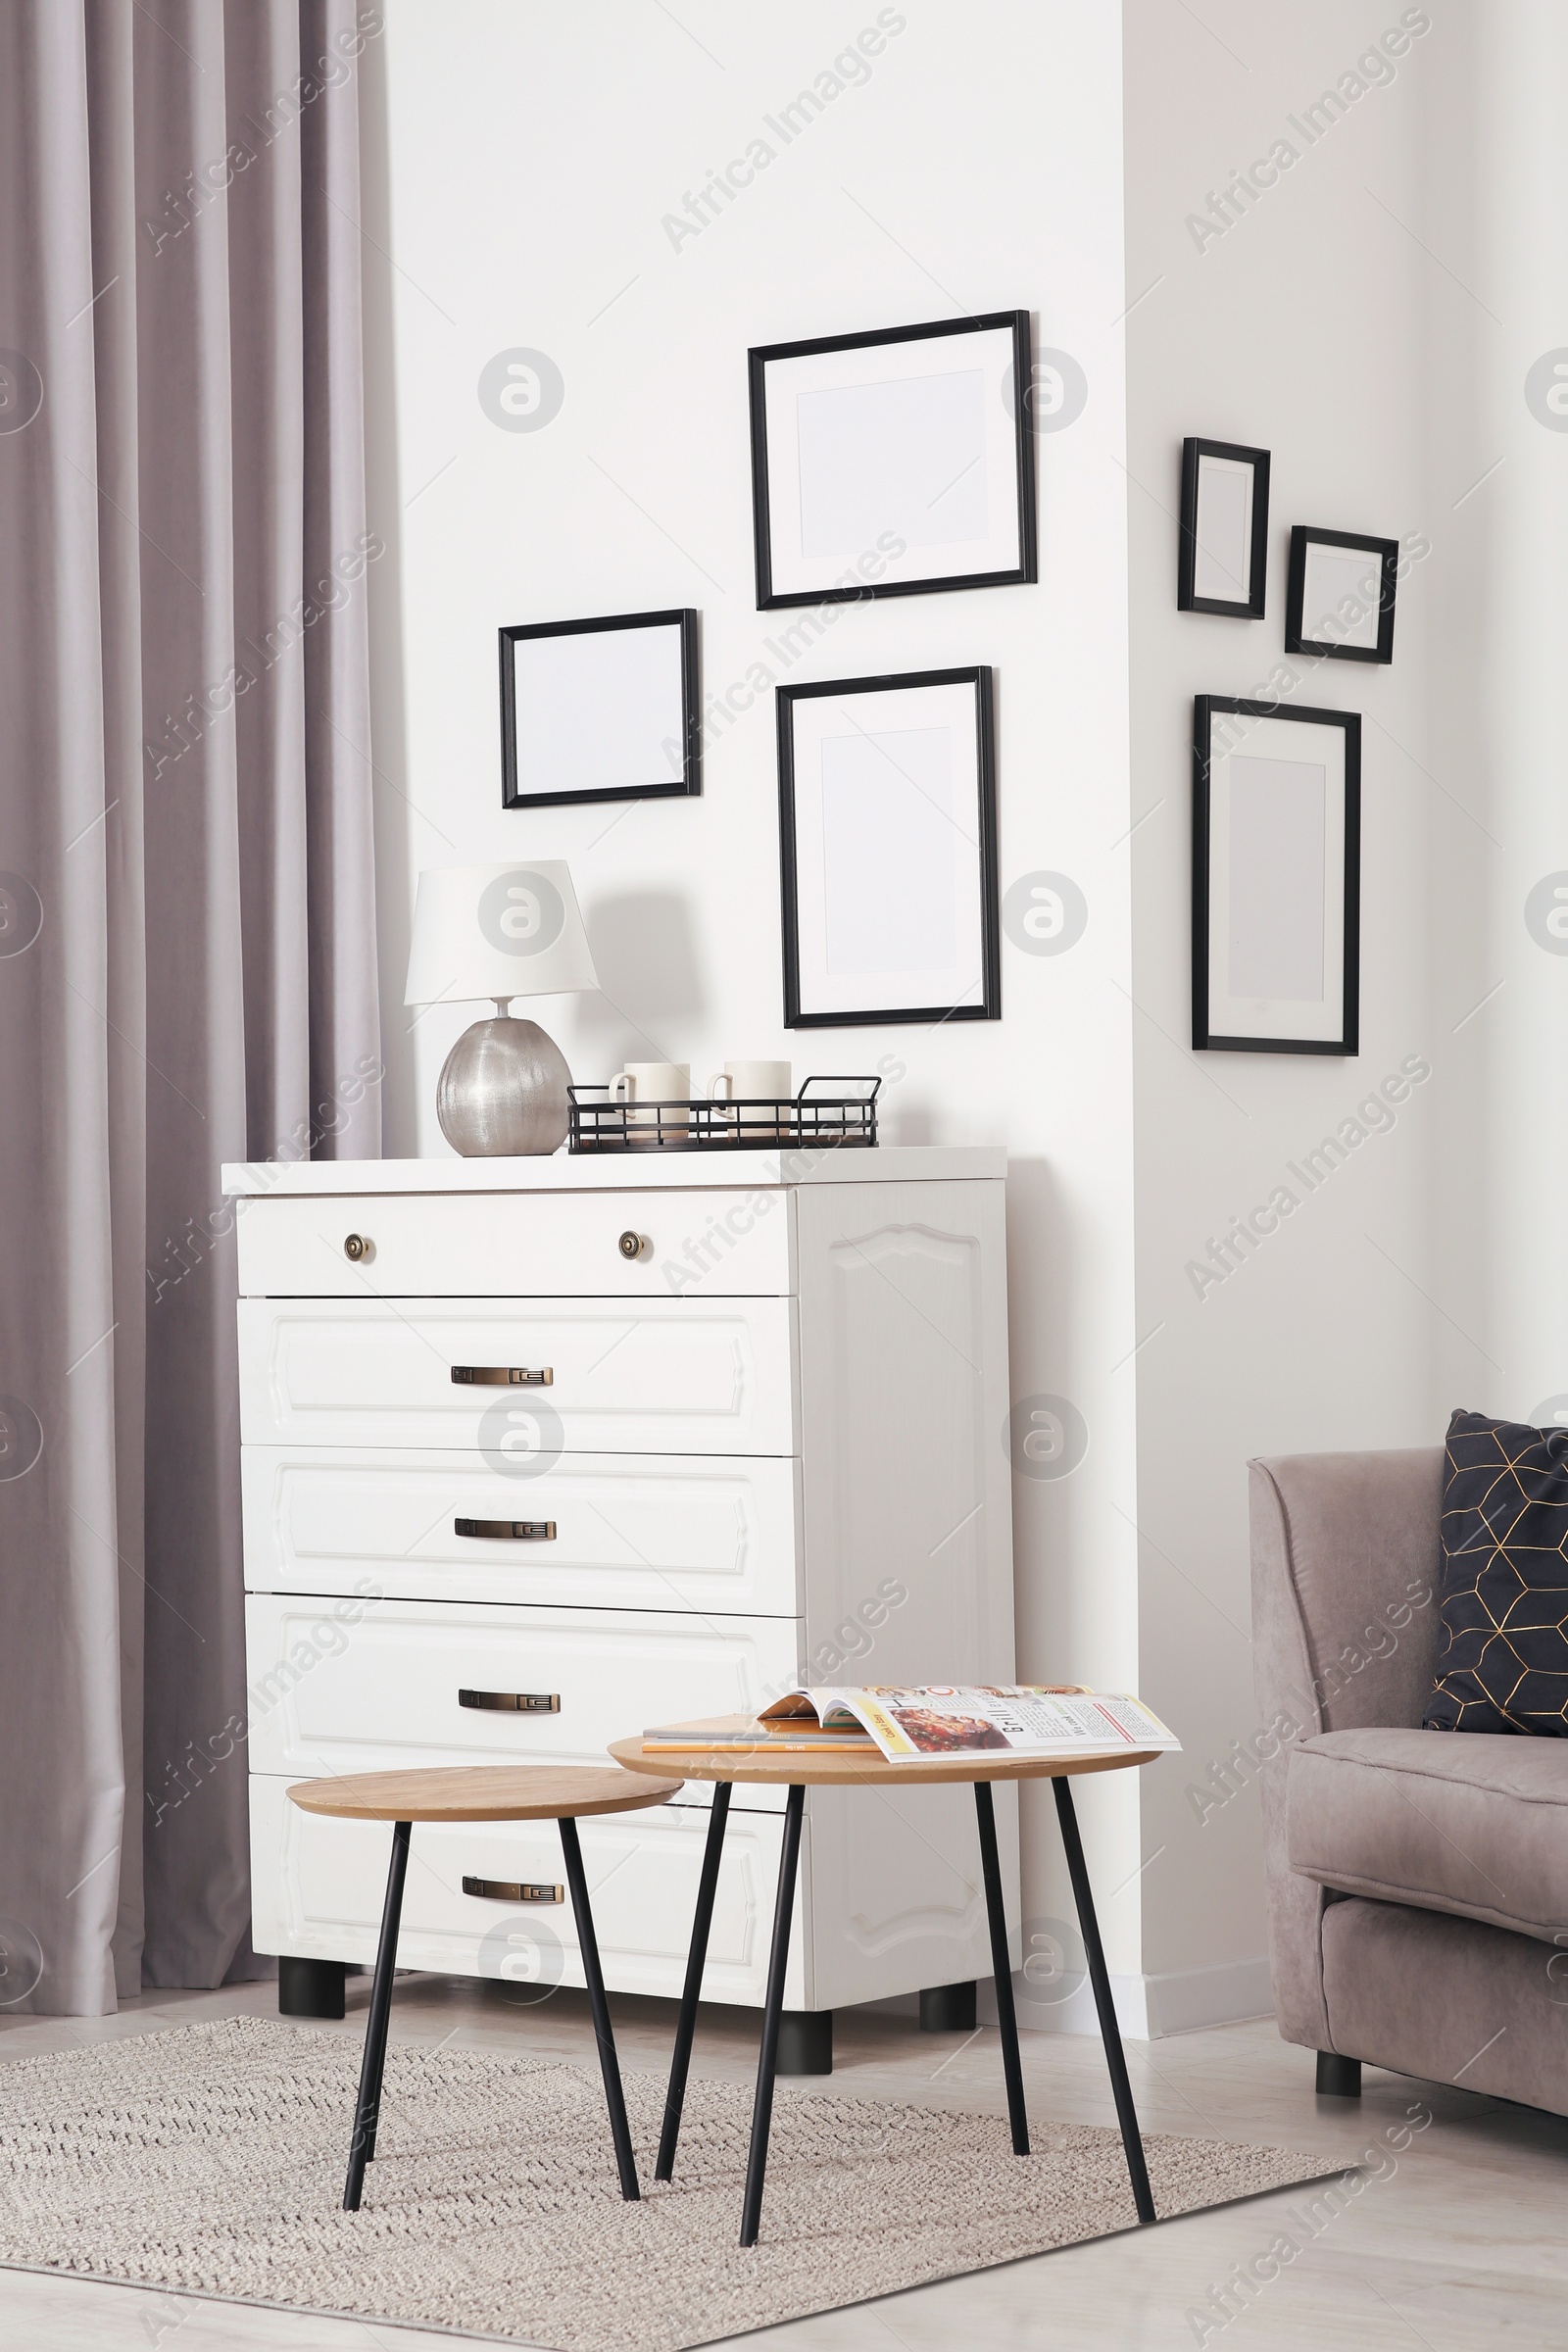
x=690 y=780
x=1206 y=708
x=1024 y=571
x=989 y=1007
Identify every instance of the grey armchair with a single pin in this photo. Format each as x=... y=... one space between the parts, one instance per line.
x=1417 y=1880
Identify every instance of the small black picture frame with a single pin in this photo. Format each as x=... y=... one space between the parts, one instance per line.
x=882 y=846
x=888 y=443
x=1224 y=541
x=1329 y=579
x=1276 y=878
x=608 y=708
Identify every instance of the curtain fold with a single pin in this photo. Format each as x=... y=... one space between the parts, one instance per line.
x=187 y=919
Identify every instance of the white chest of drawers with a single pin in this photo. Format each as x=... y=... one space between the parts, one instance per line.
x=771 y=1441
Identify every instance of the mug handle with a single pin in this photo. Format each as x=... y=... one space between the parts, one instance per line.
x=722 y=1080
x=623 y=1078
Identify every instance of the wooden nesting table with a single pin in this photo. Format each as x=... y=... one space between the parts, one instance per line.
x=845 y=1768
x=481 y=1792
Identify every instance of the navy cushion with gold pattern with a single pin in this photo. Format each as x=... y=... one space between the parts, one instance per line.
x=1502 y=1653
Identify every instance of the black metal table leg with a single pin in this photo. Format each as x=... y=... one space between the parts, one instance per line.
x=1002 y=1968
x=768 y=2059
x=373 y=2062
x=1109 y=2031
x=588 y=1945
x=686 y=2026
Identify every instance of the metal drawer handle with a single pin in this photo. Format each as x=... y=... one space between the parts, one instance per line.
x=514 y=1890
x=502 y=1376
x=634 y=1245
x=507 y=1531
x=357 y=1246
x=513 y=1703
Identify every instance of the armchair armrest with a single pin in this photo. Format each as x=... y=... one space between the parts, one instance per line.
x=1346 y=1557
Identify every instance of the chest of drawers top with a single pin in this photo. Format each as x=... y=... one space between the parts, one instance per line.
x=613 y=1172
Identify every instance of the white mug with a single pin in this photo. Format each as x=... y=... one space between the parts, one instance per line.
x=752 y=1082
x=653 y=1082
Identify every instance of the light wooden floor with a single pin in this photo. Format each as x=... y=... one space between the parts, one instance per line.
x=1462 y=2242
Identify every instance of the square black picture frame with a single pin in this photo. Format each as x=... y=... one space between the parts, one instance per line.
x=689 y=720
x=989 y=1006
x=1231 y=453
x=1206 y=708
x=1026 y=569
x=1387 y=553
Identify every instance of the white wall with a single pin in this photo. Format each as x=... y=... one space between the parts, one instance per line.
x=519 y=161
x=1308 y=327
x=1370 y=320
x=1496 y=134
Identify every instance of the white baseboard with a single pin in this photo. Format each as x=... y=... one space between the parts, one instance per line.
x=1147 y=2007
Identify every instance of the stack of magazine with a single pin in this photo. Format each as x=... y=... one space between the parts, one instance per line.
x=908 y=1722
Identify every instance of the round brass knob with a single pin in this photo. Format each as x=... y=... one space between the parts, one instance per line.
x=634 y=1245
x=357 y=1246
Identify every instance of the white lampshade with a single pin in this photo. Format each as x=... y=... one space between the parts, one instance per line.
x=496 y=931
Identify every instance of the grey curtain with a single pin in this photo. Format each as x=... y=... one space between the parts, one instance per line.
x=186 y=921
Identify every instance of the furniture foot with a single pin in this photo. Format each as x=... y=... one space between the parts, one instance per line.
x=686 y=2024
x=310 y=1987
x=1337 y=2078
x=1002 y=1967
x=373 y=2062
x=1099 y=1978
x=948 y=2008
x=767 y=2058
x=588 y=1945
x=805 y=2042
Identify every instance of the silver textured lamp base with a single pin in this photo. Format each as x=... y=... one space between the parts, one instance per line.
x=503 y=1090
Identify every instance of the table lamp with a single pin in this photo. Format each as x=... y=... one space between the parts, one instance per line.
x=500 y=931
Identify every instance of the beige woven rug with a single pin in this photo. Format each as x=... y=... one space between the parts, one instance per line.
x=211 y=2159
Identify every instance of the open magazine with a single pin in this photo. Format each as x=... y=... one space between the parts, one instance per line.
x=933 y=1719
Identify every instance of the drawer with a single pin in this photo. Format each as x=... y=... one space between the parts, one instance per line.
x=632 y=1531
x=318 y=1886
x=655 y=1376
x=552 y=1245
x=374 y=1686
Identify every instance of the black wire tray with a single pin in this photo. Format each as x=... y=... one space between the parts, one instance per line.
x=835 y=1118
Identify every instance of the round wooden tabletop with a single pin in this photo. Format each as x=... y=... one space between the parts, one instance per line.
x=853 y=1768
x=483 y=1793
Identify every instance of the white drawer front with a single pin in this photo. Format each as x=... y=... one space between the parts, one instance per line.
x=632 y=1531
x=550 y=1245
x=317 y=1885
x=374 y=1686
x=668 y=1376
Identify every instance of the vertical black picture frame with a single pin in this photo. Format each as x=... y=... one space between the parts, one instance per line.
x=989 y=1006
x=1208 y=708
x=1238 y=607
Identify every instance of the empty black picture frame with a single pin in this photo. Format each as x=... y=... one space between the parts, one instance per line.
x=1205 y=709
x=690 y=727
x=1386 y=553
x=1240 y=608
x=989 y=1008
x=1024 y=571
